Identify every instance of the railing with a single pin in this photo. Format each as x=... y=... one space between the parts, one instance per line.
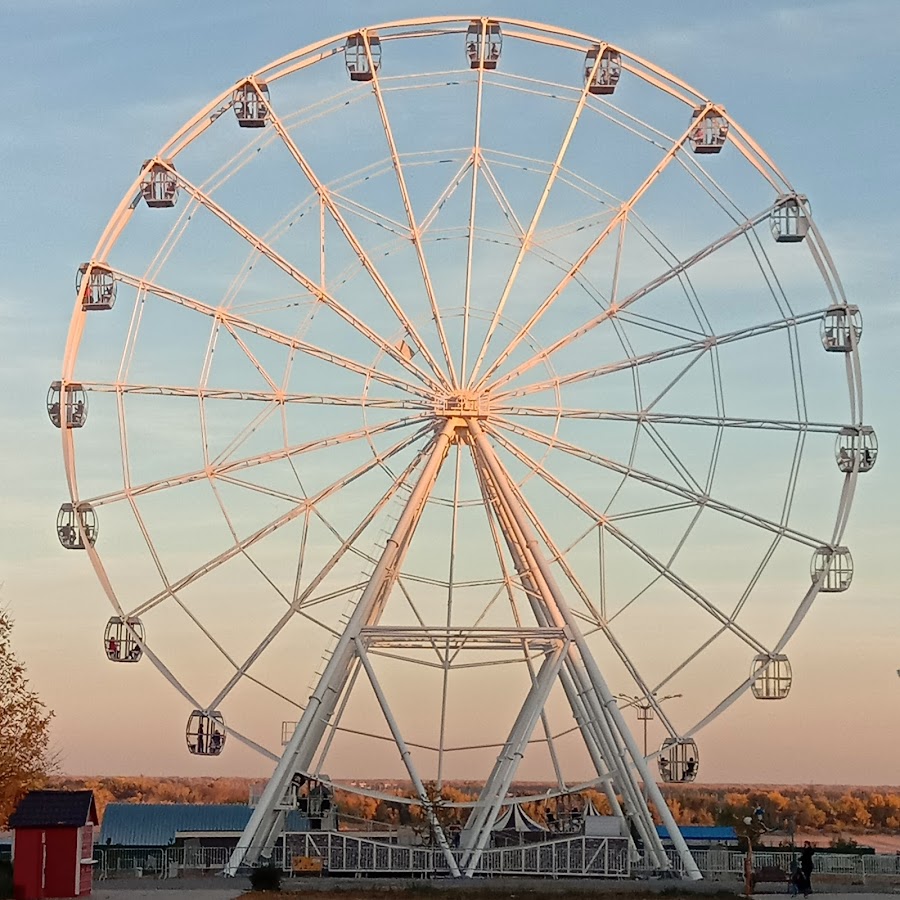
x=576 y=855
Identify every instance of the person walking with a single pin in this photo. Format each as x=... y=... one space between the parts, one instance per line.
x=806 y=867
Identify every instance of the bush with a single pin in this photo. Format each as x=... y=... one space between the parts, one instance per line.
x=6 y=883
x=266 y=878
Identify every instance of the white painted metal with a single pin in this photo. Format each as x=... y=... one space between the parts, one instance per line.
x=450 y=389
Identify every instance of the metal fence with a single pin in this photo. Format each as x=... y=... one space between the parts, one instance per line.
x=577 y=856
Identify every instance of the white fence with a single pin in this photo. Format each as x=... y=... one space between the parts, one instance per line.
x=573 y=856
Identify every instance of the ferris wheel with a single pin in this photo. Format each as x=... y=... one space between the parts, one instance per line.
x=449 y=379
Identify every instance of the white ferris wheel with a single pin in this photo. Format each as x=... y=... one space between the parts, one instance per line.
x=448 y=380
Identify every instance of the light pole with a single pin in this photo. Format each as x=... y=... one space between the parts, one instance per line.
x=753 y=827
x=644 y=708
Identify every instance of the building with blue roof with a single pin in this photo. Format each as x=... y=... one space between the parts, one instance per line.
x=702 y=836
x=149 y=825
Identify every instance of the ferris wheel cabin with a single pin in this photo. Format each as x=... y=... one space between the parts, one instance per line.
x=678 y=760
x=122 y=639
x=98 y=285
x=250 y=103
x=484 y=41
x=841 y=328
x=790 y=220
x=75 y=525
x=603 y=81
x=71 y=399
x=362 y=65
x=205 y=732
x=159 y=186
x=856 y=449
x=832 y=567
x=709 y=130
x=770 y=676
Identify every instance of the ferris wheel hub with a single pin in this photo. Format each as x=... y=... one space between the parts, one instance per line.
x=468 y=404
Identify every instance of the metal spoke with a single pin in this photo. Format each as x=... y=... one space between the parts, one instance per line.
x=414 y=230
x=276 y=396
x=281 y=521
x=221 y=314
x=470 y=242
x=535 y=219
x=352 y=239
x=660 y=567
x=257 y=460
x=701 y=345
x=668 y=418
x=701 y=499
x=305 y=599
x=314 y=288
x=673 y=272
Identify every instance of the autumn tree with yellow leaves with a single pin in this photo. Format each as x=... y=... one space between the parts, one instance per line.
x=24 y=728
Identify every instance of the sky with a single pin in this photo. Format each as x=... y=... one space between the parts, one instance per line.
x=97 y=86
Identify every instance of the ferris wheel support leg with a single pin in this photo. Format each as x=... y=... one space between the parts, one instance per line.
x=307 y=736
x=478 y=828
x=610 y=712
x=577 y=690
x=589 y=715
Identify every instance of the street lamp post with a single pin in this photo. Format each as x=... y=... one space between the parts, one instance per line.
x=753 y=828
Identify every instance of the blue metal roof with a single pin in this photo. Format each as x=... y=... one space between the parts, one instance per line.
x=156 y=824
x=709 y=833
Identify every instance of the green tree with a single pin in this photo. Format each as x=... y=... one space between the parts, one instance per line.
x=24 y=728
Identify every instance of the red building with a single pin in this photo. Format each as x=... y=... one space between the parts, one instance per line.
x=53 y=844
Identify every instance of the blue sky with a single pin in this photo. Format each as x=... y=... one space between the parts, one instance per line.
x=96 y=86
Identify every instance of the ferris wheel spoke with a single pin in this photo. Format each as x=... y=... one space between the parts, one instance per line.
x=701 y=345
x=358 y=249
x=414 y=230
x=295 y=343
x=617 y=221
x=535 y=219
x=314 y=288
x=716 y=421
x=506 y=207
x=700 y=499
x=259 y=459
x=674 y=271
x=651 y=561
x=208 y=393
x=432 y=214
x=281 y=521
x=470 y=238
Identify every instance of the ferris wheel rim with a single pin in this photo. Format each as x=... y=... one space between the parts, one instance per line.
x=71 y=354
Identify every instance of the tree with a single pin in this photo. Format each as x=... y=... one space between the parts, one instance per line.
x=24 y=728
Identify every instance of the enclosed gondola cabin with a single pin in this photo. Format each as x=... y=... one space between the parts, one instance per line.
x=603 y=79
x=709 y=130
x=790 y=221
x=770 y=676
x=159 y=186
x=75 y=525
x=841 y=328
x=96 y=286
x=362 y=65
x=122 y=639
x=69 y=405
x=250 y=103
x=484 y=41
x=832 y=568
x=856 y=449
x=678 y=760
x=205 y=732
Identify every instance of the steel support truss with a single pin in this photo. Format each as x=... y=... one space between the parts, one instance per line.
x=557 y=639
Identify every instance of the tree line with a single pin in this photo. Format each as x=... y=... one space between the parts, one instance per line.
x=823 y=808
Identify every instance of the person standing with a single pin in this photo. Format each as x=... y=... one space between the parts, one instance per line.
x=806 y=867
